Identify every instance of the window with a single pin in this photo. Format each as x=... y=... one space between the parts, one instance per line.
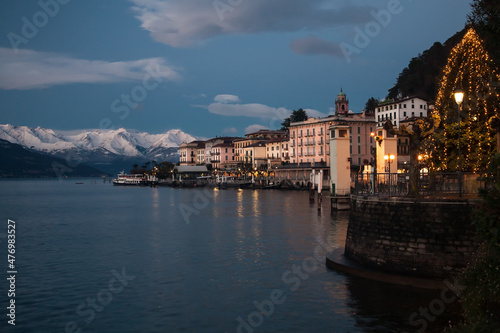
x=425 y=107
x=359 y=139
x=313 y=131
x=421 y=106
x=359 y=149
x=404 y=106
x=422 y=114
x=394 y=115
x=359 y=130
x=413 y=106
x=307 y=132
x=404 y=114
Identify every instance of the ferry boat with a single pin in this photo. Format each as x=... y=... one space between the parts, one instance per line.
x=124 y=179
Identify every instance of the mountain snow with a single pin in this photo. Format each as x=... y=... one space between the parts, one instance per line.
x=120 y=142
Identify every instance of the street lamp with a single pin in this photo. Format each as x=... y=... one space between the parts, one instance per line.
x=374 y=173
x=459 y=98
x=389 y=159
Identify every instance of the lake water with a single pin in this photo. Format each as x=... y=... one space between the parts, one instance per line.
x=97 y=258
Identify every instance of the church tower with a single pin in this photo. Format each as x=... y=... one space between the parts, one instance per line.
x=341 y=104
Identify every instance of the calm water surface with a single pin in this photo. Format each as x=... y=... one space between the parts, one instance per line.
x=96 y=258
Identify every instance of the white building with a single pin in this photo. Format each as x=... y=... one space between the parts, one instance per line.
x=400 y=109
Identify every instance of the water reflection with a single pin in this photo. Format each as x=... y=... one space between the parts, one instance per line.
x=384 y=307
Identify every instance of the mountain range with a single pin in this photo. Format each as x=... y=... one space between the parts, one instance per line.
x=19 y=162
x=106 y=150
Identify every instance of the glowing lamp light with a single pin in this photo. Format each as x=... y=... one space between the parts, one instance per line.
x=459 y=96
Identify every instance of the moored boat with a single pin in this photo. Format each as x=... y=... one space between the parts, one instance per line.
x=124 y=179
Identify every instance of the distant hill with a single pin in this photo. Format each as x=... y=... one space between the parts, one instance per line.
x=18 y=162
x=421 y=76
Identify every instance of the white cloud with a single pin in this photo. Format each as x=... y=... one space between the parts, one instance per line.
x=314 y=113
x=229 y=131
x=227 y=105
x=248 y=110
x=255 y=128
x=27 y=69
x=181 y=23
x=226 y=99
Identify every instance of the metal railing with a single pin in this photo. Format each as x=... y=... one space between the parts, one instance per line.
x=398 y=184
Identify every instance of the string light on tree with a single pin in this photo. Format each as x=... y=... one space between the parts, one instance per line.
x=471 y=69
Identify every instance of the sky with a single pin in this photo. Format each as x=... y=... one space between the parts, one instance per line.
x=207 y=67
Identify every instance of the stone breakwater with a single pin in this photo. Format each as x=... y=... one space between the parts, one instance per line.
x=430 y=238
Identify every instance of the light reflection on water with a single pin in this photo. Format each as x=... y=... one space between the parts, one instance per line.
x=191 y=277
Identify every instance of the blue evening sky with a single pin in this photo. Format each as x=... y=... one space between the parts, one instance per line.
x=208 y=67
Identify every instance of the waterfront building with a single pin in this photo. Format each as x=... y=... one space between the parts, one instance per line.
x=188 y=152
x=241 y=153
x=310 y=143
x=254 y=156
x=223 y=156
x=200 y=152
x=277 y=151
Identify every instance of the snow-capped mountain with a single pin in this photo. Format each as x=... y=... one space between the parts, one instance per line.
x=99 y=144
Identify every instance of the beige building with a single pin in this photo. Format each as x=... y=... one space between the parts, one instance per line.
x=254 y=155
x=188 y=152
x=277 y=151
x=310 y=142
x=241 y=155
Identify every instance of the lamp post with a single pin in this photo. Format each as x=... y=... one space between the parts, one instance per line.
x=389 y=159
x=459 y=98
x=374 y=173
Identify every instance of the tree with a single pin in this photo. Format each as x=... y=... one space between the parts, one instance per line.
x=471 y=69
x=371 y=105
x=297 y=115
x=485 y=17
x=481 y=299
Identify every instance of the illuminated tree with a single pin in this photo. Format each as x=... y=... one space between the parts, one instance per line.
x=471 y=69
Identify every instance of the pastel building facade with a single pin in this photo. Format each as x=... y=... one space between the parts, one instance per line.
x=277 y=151
x=222 y=156
x=310 y=139
x=188 y=152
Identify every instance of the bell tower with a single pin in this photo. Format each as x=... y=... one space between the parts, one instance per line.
x=341 y=104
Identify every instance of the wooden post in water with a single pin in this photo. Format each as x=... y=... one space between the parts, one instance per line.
x=320 y=188
x=311 y=186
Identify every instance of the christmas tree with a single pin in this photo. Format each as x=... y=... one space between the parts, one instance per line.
x=471 y=69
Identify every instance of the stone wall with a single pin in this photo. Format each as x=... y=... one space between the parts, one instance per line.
x=420 y=238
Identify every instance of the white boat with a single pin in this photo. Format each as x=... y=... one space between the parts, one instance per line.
x=124 y=179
